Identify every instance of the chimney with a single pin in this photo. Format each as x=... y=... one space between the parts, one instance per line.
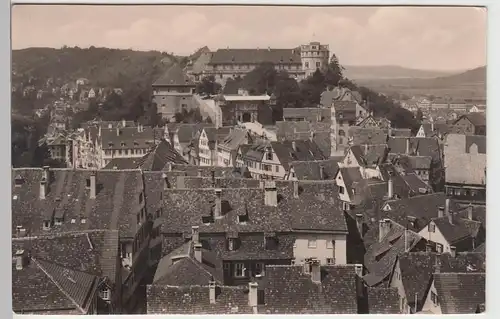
x=440 y=211
x=195 y=234
x=117 y=131
x=92 y=185
x=295 y=189
x=252 y=294
x=384 y=226
x=43 y=188
x=315 y=271
x=390 y=188
x=212 y=173
x=469 y=212
x=20 y=259
x=200 y=172
x=407 y=146
x=311 y=137
x=321 y=172
x=197 y=252
x=46 y=173
x=358 y=268
x=164 y=178
x=271 y=194
x=139 y=128
x=359 y=223
x=453 y=251
x=218 y=203
x=211 y=290
x=169 y=167
x=124 y=122
x=294 y=146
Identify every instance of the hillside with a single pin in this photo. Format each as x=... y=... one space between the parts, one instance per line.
x=471 y=83
x=359 y=72
x=101 y=66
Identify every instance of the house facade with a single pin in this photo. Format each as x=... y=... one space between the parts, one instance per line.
x=245 y=108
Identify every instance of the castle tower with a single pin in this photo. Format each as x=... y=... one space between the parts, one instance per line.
x=314 y=56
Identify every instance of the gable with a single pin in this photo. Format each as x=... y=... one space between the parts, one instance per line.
x=386 y=207
x=350 y=160
x=421 y=131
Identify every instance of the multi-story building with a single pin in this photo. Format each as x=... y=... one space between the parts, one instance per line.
x=227 y=149
x=298 y=62
x=173 y=92
x=344 y=114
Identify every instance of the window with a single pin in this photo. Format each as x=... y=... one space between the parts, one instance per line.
x=311 y=243
x=330 y=261
x=106 y=294
x=239 y=270
x=307 y=64
x=259 y=269
x=277 y=169
x=58 y=221
x=269 y=156
x=432 y=227
x=46 y=225
x=330 y=244
x=318 y=64
x=341 y=190
x=439 y=248
x=434 y=298
x=83 y=220
x=346 y=206
x=260 y=297
x=267 y=168
x=341 y=133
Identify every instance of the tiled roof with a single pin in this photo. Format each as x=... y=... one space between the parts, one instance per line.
x=311 y=114
x=350 y=175
x=290 y=151
x=415 y=184
x=173 y=300
x=159 y=156
x=311 y=170
x=383 y=301
x=219 y=182
x=287 y=130
x=345 y=110
x=336 y=294
x=370 y=136
x=68 y=198
x=439 y=129
x=417 y=268
x=337 y=94
x=43 y=286
x=369 y=155
x=400 y=132
x=380 y=257
x=123 y=163
x=420 y=162
x=460 y=293
x=180 y=268
x=460 y=229
x=130 y=138
x=73 y=251
x=201 y=62
x=477 y=118
x=421 y=146
x=463 y=167
x=234 y=139
x=255 y=56
x=174 y=76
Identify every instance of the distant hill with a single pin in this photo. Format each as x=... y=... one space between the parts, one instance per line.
x=101 y=66
x=356 y=72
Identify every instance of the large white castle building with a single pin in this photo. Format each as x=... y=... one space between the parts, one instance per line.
x=223 y=64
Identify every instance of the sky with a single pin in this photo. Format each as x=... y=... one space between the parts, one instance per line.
x=433 y=38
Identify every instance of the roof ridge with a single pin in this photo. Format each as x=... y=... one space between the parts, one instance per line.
x=57 y=284
x=63 y=234
x=460 y=273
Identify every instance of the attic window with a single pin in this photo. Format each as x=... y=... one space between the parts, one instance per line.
x=14 y=197
x=19 y=181
x=122 y=143
x=136 y=143
x=110 y=144
x=88 y=182
x=46 y=225
x=58 y=221
x=73 y=221
x=270 y=242
x=242 y=219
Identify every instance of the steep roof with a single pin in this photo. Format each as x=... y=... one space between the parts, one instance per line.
x=336 y=294
x=173 y=299
x=130 y=137
x=370 y=154
x=476 y=118
x=383 y=301
x=361 y=135
x=44 y=286
x=299 y=150
x=159 y=156
x=234 y=139
x=460 y=293
x=460 y=229
x=68 y=198
x=380 y=257
x=311 y=170
x=174 y=76
x=421 y=146
x=255 y=56
x=93 y=252
x=350 y=175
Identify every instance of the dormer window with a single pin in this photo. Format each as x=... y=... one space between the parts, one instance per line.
x=46 y=224
x=83 y=220
x=231 y=244
x=106 y=294
x=19 y=181
x=270 y=242
x=122 y=144
x=58 y=221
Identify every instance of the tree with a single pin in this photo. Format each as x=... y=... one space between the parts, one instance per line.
x=334 y=72
x=208 y=86
x=261 y=80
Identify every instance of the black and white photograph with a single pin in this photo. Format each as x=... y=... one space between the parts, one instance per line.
x=245 y=159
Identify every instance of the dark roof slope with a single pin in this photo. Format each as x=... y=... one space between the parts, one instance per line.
x=311 y=170
x=289 y=151
x=460 y=293
x=159 y=156
x=336 y=294
x=255 y=56
x=460 y=229
x=383 y=301
x=174 y=76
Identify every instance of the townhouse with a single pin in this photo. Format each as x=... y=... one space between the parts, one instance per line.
x=228 y=148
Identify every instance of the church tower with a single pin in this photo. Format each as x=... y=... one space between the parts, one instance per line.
x=314 y=56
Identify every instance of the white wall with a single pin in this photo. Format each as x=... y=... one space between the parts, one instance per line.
x=301 y=249
x=429 y=305
x=396 y=282
x=205 y=153
x=436 y=237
